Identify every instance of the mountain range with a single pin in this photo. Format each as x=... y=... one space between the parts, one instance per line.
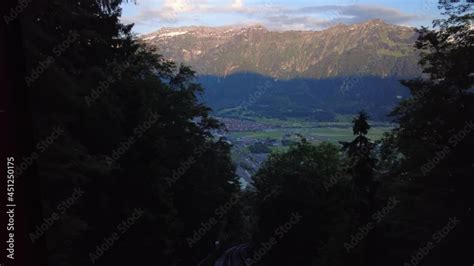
x=342 y=68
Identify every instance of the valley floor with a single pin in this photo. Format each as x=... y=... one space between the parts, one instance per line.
x=254 y=139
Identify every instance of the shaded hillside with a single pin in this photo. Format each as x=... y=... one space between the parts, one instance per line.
x=320 y=99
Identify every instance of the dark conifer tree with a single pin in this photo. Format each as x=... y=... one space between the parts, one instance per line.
x=360 y=153
x=133 y=136
x=433 y=144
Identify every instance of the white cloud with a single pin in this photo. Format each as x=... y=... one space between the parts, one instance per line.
x=270 y=15
x=174 y=10
x=320 y=17
x=358 y=13
x=238 y=4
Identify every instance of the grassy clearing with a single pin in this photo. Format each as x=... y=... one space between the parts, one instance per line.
x=317 y=134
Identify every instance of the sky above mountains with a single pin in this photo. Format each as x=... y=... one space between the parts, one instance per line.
x=150 y=15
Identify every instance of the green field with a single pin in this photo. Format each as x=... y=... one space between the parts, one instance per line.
x=332 y=134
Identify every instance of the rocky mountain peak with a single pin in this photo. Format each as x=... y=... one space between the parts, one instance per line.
x=370 y=48
x=376 y=21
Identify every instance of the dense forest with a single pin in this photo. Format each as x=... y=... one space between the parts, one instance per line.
x=122 y=134
x=312 y=99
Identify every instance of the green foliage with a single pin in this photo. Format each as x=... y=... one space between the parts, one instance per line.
x=428 y=154
x=293 y=182
x=361 y=125
x=140 y=85
x=360 y=154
